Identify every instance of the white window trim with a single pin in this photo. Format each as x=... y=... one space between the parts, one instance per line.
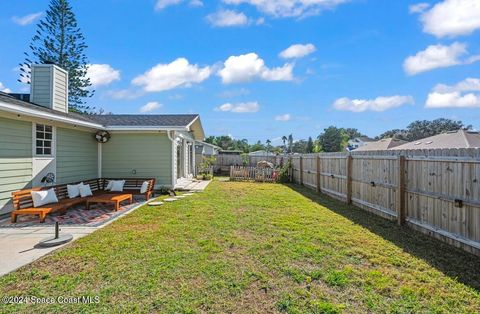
x=34 y=141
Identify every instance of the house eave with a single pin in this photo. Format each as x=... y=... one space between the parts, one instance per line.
x=48 y=116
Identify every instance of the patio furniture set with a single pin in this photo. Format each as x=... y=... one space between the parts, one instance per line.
x=42 y=201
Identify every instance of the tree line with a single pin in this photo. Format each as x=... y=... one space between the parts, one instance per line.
x=335 y=139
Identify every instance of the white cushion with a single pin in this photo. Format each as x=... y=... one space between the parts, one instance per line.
x=85 y=190
x=44 y=197
x=74 y=190
x=144 y=187
x=109 y=185
x=117 y=186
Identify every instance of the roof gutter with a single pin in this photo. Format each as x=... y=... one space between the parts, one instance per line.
x=144 y=128
x=45 y=115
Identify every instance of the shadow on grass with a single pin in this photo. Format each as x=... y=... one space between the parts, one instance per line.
x=450 y=260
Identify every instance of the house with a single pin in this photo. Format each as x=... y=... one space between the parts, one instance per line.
x=206 y=149
x=452 y=139
x=262 y=153
x=41 y=136
x=383 y=144
x=357 y=142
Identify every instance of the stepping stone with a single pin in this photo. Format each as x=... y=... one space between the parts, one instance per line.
x=170 y=199
x=188 y=194
x=180 y=196
x=155 y=203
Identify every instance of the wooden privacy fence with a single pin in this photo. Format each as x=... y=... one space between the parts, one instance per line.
x=241 y=173
x=434 y=191
x=224 y=161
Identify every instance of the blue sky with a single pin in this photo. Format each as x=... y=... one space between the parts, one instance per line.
x=369 y=64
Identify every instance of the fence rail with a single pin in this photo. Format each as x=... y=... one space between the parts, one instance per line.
x=241 y=173
x=434 y=191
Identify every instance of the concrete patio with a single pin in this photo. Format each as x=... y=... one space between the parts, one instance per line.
x=18 y=240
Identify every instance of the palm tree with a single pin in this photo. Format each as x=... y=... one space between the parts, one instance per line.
x=290 y=142
x=268 y=146
x=284 y=140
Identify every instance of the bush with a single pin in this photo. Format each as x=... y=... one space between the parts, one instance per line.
x=284 y=174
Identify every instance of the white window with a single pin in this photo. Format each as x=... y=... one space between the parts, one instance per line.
x=43 y=140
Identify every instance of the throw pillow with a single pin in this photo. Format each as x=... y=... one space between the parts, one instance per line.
x=44 y=197
x=117 y=186
x=85 y=190
x=73 y=190
x=144 y=187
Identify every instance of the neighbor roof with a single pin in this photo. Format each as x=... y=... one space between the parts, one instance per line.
x=453 y=139
x=383 y=144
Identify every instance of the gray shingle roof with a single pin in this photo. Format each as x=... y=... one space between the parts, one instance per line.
x=454 y=139
x=157 y=120
x=13 y=101
x=383 y=144
x=167 y=120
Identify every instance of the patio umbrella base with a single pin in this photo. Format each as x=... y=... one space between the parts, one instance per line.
x=50 y=242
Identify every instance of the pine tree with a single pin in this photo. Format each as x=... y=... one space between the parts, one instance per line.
x=59 y=40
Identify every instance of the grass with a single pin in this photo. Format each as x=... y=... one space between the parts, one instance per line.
x=245 y=248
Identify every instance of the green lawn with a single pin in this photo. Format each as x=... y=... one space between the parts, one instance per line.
x=246 y=247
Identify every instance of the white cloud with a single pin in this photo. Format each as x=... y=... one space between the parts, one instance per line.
x=102 y=74
x=27 y=19
x=283 y=117
x=150 y=106
x=195 y=3
x=451 y=18
x=297 y=51
x=227 y=18
x=290 y=8
x=460 y=95
x=248 y=67
x=437 y=56
x=179 y=73
x=4 y=89
x=377 y=104
x=468 y=84
x=125 y=94
x=453 y=100
x=162 y=4
x=418 y=7
x=243 y=107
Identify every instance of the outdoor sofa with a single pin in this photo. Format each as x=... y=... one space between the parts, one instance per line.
x=23 y=201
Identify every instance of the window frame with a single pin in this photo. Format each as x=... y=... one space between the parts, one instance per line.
x=47 y=136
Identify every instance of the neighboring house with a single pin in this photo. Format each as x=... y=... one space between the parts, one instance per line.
x=383 y=144
x=203 y=149
x=206 y=149
x=42 y=136
x=357 y=142
x=452 y=139
x=261 y=153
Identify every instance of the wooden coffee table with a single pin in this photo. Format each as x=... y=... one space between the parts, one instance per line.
x=116 y=199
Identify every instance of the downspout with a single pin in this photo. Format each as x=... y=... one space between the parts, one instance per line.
x=171 y=137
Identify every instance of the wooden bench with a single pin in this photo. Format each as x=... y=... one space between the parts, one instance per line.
x=23 y=202
x=132 y=186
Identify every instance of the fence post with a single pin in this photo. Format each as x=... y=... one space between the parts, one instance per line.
x=349 y=178
x=290 y=168
x=401 y=215
x=301 y=169
x=231 y=173
x=319 y=188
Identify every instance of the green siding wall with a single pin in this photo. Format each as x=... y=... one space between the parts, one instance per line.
x=149 y=154
x=15 y=159
x=77 y=155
